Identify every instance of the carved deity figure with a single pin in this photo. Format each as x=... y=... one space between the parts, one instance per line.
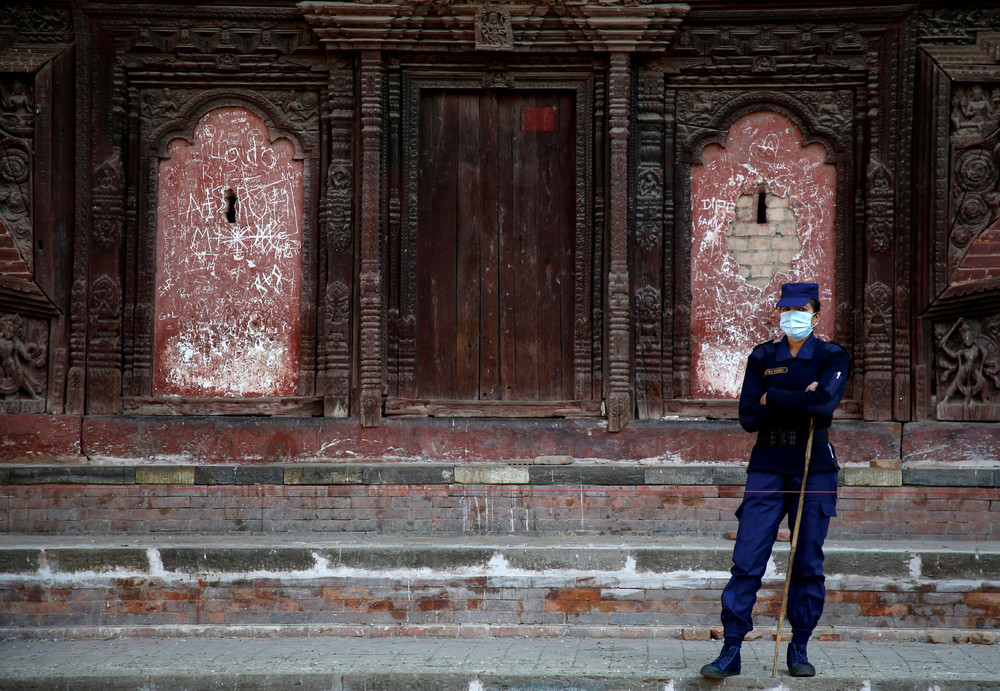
x=18 y=360
x=17 y=115
x=972 y=114
x=493 y=29
x=971 y=365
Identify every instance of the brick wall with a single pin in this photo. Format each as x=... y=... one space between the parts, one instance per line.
x=658 y=501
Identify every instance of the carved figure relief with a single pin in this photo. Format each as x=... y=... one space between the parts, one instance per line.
x=107 y=205
x=36 y=23
x=969 y=369
x=493 y=29
x=17 y=116
x=340 y=193
x=23 y=352
x=946 y=26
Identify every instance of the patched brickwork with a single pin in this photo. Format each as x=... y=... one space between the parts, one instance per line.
x=762 y=237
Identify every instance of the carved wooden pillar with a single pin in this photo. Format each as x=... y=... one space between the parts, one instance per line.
x=94 y=382
x=371 y=214
x=886 y=378
x=76 y=376
x=619 y=396
x=649 y=286
x=338 y=229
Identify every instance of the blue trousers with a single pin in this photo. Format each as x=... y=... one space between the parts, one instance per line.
x=769 y=497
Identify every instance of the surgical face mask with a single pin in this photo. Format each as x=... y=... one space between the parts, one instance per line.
x=797 y=325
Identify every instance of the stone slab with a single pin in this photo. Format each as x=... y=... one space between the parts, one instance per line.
x=437 y=558
x=718 y=559
x=950 y=565
x=164 y=475
x=588 y=475
x=71 y=475
x=235 y=559
x=949 y=477
x=578 y=558
x=407 y=474
x=324 y=475
x=239 y=475
x=19 y=560
x=491 y=475
x=871 y=477
x=881 y=563
x=96 y=559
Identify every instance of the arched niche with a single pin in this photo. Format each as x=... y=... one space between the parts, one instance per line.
x=762 y=213
x=229 y=214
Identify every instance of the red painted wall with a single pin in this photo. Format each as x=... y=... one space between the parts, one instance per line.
x=729 y=316
x=229 y=275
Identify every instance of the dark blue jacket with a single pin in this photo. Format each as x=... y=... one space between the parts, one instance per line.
x=782 y=426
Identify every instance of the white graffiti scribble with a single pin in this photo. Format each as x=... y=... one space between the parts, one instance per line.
x=229 y=270
x=729 y=315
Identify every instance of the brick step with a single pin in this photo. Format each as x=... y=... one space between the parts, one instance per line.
x=479 y=664
x=917 y=501
x=471 y=586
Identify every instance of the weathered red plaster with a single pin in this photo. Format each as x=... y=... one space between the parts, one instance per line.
x=228 y=289
x=39 y=437
x=951 y=442
x=728 y=315
x=289 y=440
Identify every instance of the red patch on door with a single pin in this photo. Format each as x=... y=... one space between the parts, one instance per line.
x=538 y=119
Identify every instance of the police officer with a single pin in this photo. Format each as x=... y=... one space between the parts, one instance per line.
x=786 y=384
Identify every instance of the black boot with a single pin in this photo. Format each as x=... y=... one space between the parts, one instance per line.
x=726 y=665
x=798 y=662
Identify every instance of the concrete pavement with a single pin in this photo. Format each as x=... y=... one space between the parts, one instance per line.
x=478 y=664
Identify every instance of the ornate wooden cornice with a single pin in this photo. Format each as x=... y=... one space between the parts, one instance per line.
x=555 y=26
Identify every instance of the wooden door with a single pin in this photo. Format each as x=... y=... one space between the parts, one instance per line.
x=495 y=246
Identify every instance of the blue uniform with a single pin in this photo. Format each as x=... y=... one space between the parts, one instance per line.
x=774 y=477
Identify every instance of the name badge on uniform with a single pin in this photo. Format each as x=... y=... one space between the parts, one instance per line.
x=775 y=370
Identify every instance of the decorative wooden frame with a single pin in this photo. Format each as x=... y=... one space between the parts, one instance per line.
x=741 y=66
x=157 y=51
x=617 y=28
x=406 y=81
x=35 y=51
x=156 y=130
x=944 y=229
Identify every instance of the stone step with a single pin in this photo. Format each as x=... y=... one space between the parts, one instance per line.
x=470 y=586
x=478 y=664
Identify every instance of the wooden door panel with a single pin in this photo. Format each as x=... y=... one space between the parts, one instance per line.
x=495 y=246
x=537 y=243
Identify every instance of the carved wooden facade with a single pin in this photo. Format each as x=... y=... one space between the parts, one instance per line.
x=617 y=100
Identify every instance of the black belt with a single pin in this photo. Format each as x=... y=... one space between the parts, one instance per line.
x=791 y=437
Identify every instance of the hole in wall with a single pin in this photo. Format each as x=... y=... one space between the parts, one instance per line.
x=231 y=206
